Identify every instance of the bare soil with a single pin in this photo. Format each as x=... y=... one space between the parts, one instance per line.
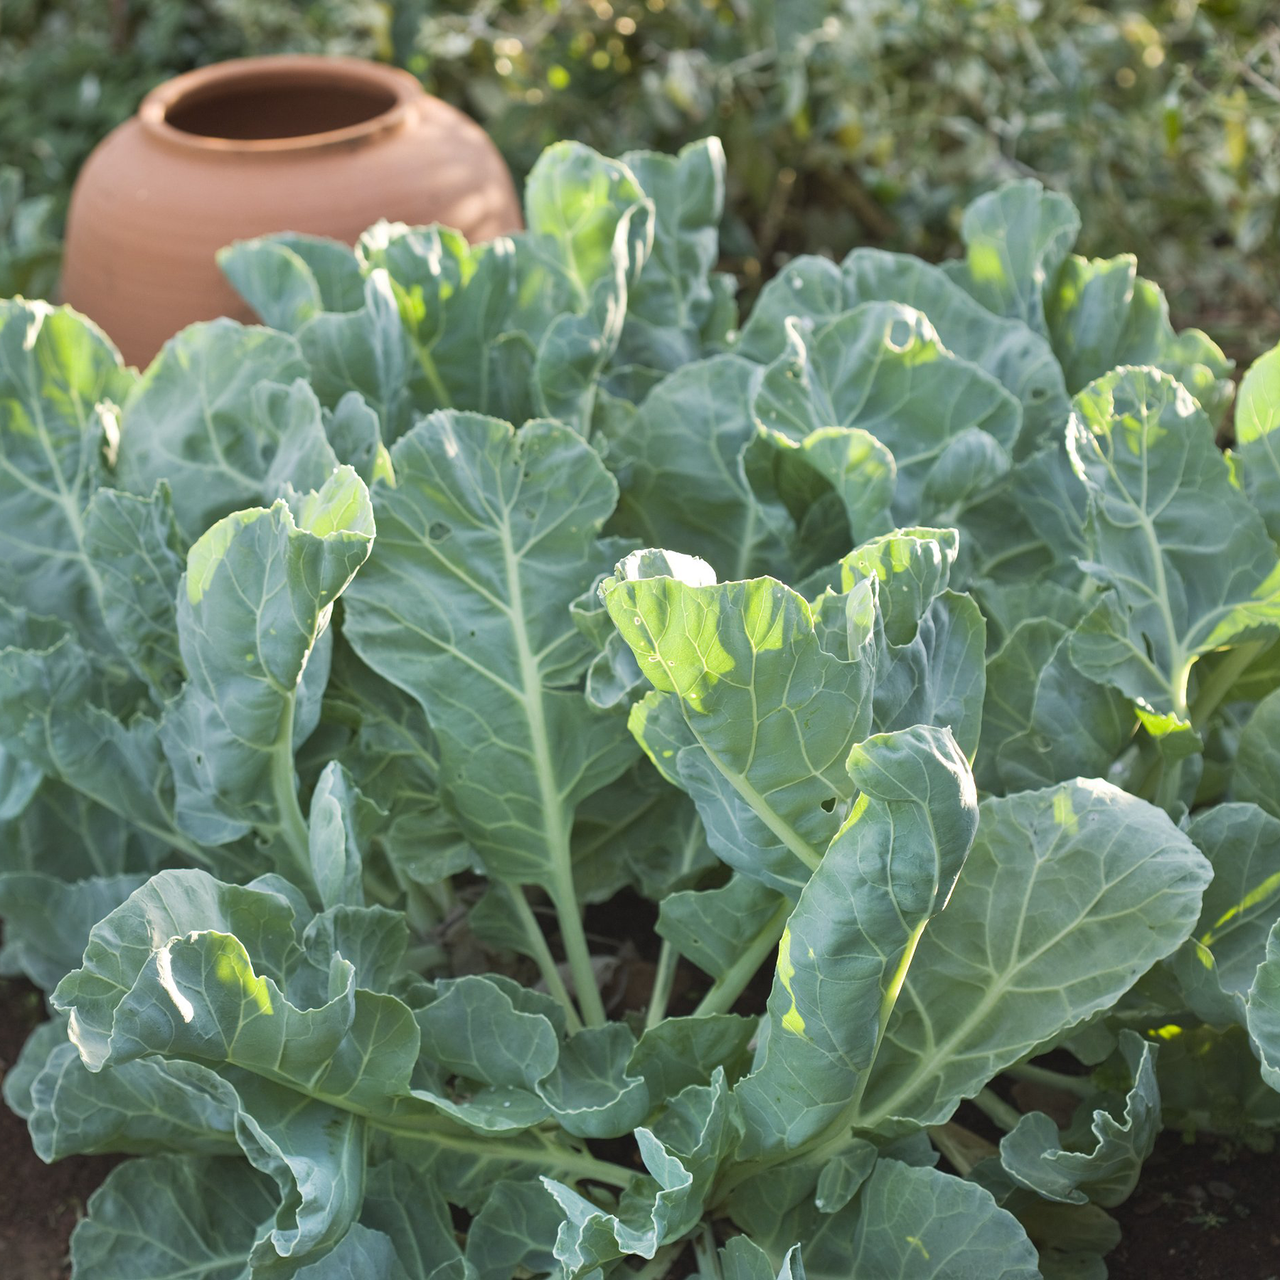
x=39 y=1203
x=1203 y=1210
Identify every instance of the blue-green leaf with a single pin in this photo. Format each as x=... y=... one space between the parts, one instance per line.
x=854 y=933
x=198 y=420
x=61 y=382
x=1101 y=314
x=1188 y=561
x=256 y=598
x=1100 y=1163
x=1016 y=238
x=724 y=656
x=1068 y=896
x=485 y=540
x=172 y=1218
x=1256 y=776
x=882 y=368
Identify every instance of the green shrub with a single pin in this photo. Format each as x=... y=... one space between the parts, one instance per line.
x=844 y=123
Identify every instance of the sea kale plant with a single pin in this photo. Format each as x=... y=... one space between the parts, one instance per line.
x=510 y=770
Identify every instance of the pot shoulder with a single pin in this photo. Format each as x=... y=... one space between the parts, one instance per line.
x=148 y=215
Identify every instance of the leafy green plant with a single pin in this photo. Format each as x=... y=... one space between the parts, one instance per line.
x=359 y=670
x=844 y=124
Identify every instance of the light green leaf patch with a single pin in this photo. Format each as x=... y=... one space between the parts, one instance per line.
x=729 y=655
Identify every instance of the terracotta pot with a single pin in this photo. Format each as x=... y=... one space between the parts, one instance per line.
x=325 y=146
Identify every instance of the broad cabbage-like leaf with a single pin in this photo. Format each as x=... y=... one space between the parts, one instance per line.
x=1257 y=767
x=1043 y=721
x=254 y=603
x=1216 y=966
x=882 y=368
x=1016 y=238
x=174 y=1219
x=1101 y=314
x=485 y=539
x=61 y=383
x=1188 y=562
x=733 y=656
x=1068 y=896
x=682 y=475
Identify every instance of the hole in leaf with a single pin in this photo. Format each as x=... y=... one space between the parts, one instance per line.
x=438 y=531
x=829 y=804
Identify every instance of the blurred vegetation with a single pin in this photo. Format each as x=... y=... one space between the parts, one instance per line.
x=845 y=121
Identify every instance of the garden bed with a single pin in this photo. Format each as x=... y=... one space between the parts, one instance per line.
x=1201 y=1210
x=639 y=783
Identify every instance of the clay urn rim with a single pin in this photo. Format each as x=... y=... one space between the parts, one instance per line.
x=402 y=90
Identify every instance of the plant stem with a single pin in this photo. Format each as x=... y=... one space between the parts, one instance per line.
x=661 y=1262
x=576 y=951
x=284 y=789
x=996 y=1109
x=668 y=957
x=432 y=374
x=663 y=979
x=576 y=1164
x=730 y=984
x=1081 y=1086
x=944 y=1139
x=704 y=1250
x=1218 y=685
x=556 y=820
x=542 y=954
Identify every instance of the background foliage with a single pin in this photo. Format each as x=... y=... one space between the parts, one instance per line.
x=844 y=122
